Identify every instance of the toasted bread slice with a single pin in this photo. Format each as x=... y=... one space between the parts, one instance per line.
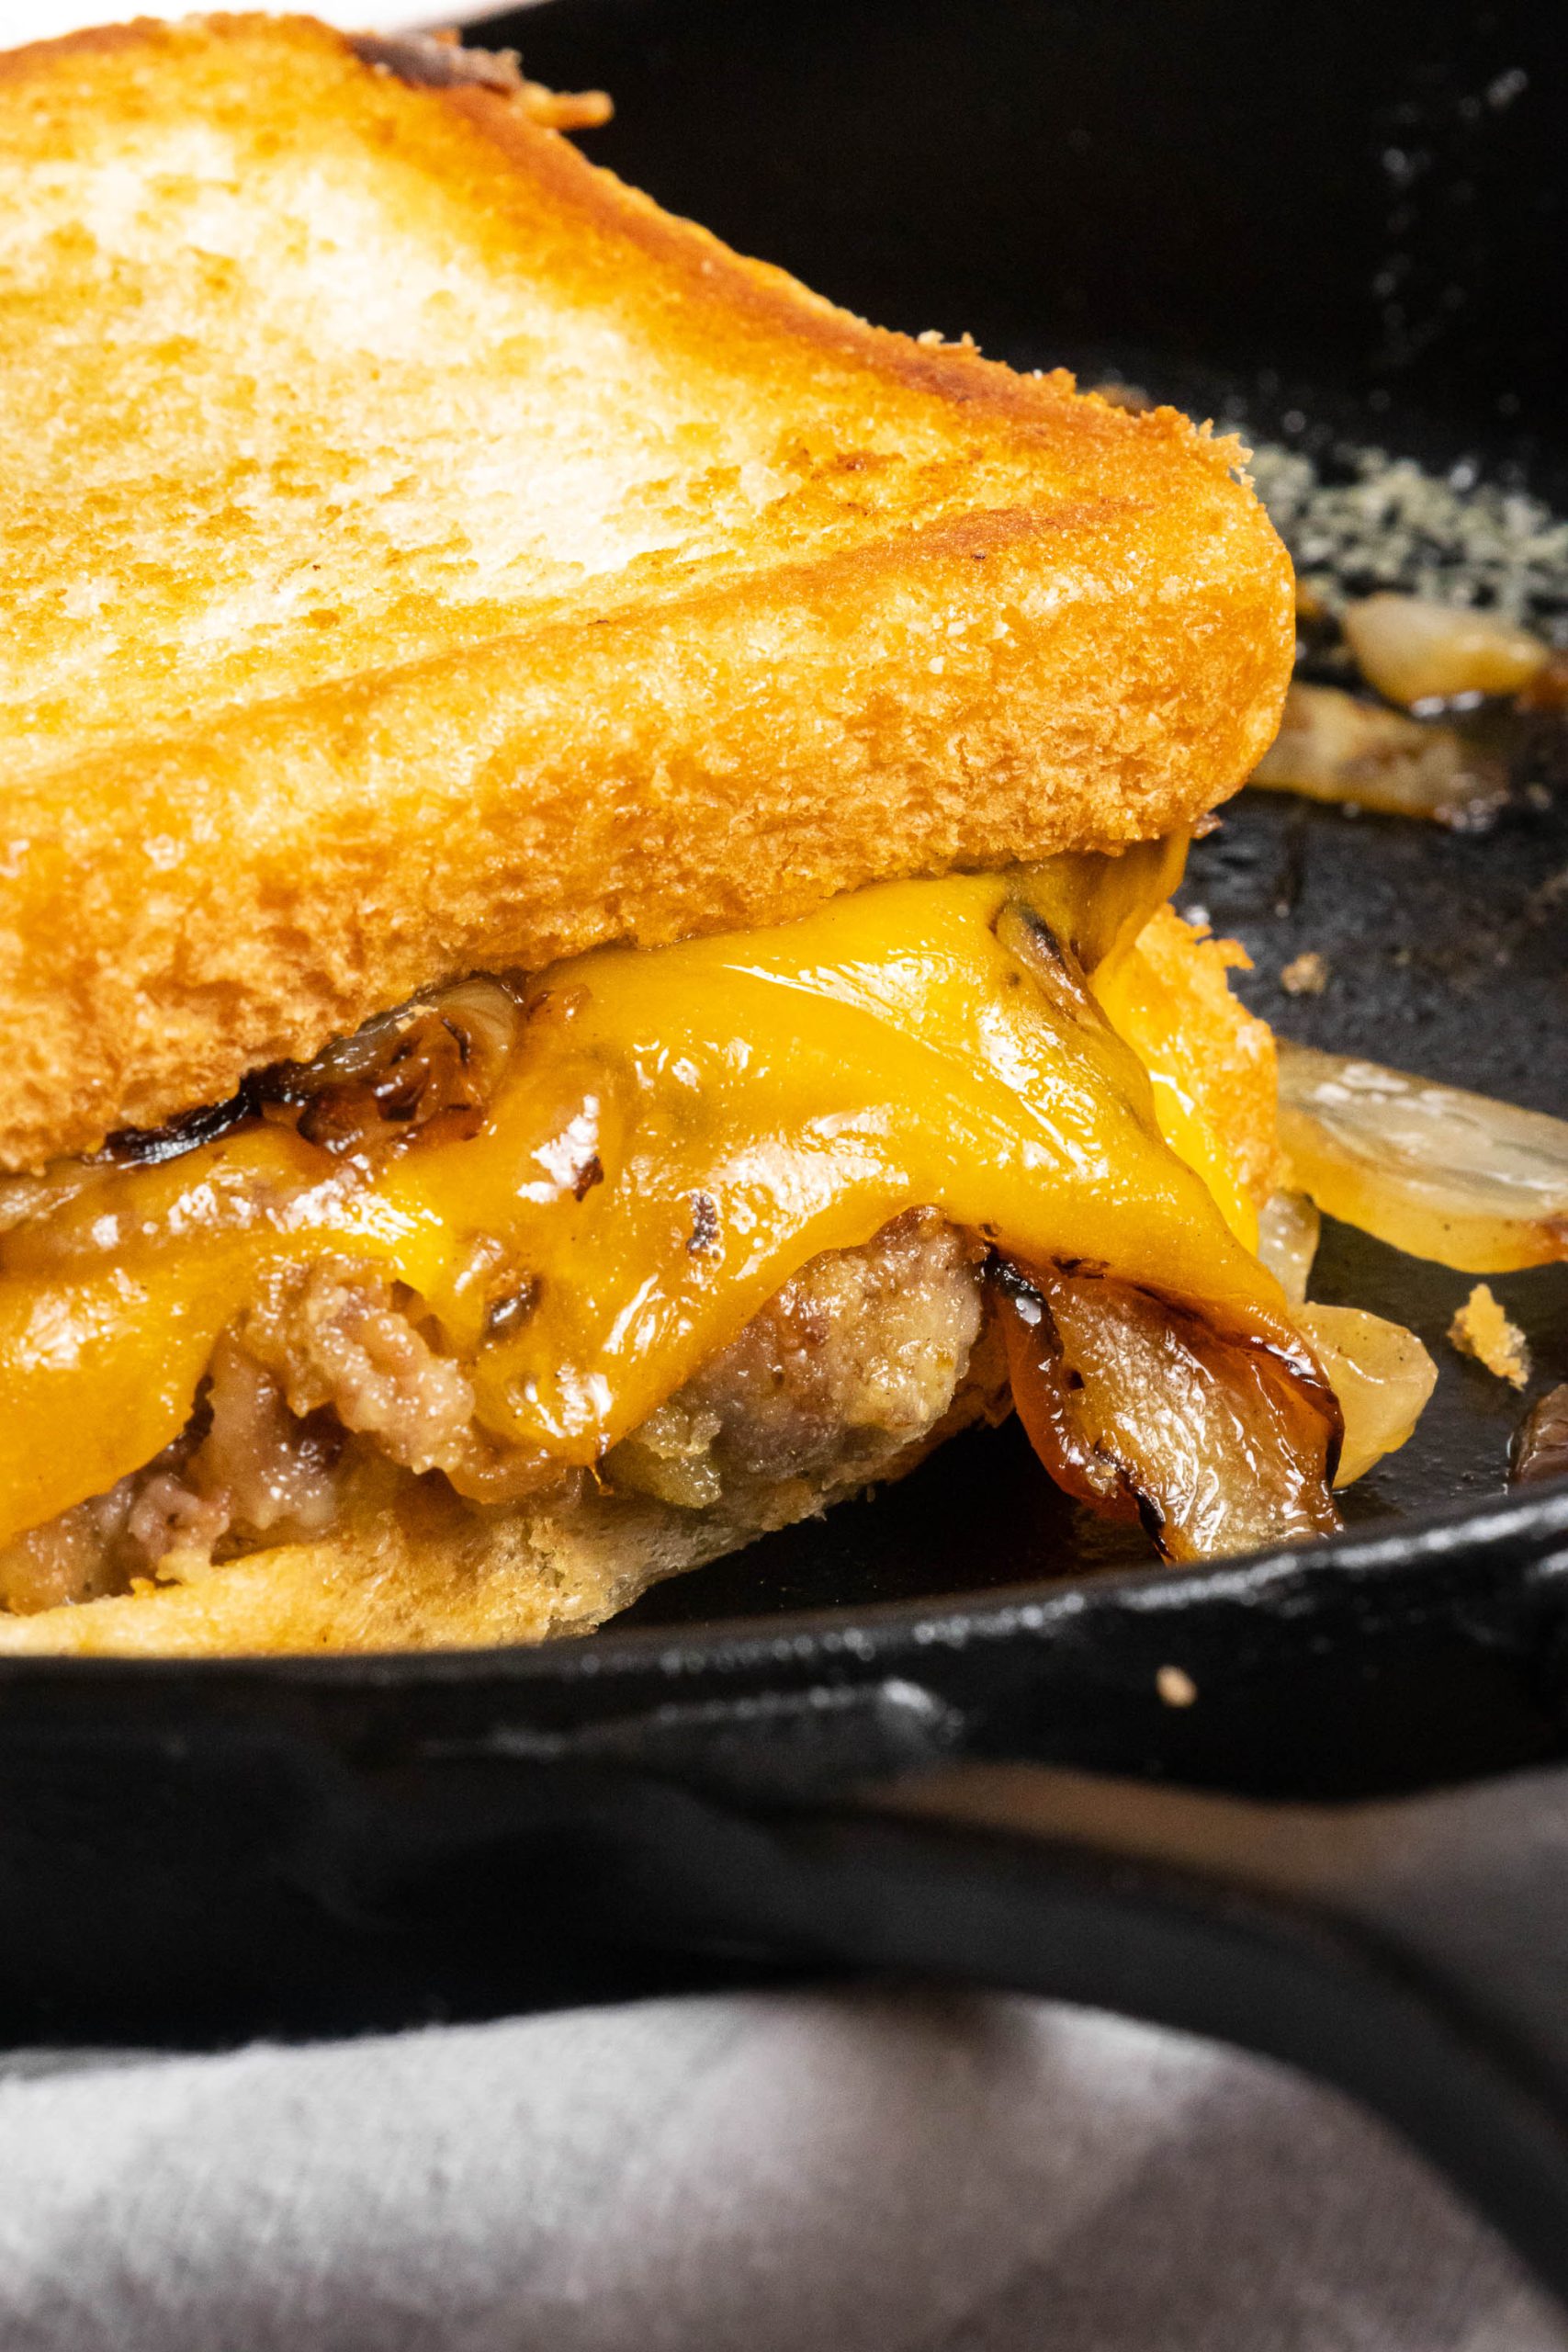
x=422 y=553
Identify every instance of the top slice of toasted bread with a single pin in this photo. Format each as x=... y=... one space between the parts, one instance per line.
x=419 y=552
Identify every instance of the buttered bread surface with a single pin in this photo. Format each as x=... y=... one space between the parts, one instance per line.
x=421 y=554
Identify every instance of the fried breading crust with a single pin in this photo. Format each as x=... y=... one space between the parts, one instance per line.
x=422 y=553
x=1226 y=1055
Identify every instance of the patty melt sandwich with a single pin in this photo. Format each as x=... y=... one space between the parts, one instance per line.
x=583 y=848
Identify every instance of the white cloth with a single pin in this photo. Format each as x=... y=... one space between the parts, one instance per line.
x=906 y=2172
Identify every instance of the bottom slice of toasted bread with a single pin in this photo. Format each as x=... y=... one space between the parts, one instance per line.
x=436 y=1574
x=859 y=1367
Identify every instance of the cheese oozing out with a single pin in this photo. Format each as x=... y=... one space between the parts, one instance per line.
x=676 y=1133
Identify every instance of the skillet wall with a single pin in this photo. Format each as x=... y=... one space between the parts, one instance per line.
x=1368 y=200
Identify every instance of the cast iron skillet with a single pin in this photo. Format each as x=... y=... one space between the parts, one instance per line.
x=928 y=1735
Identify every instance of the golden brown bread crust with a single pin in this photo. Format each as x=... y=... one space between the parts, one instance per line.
x=1225 y=1055
x=432 y=1576
x=967 y=617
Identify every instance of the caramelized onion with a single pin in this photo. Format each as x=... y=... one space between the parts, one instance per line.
x=1143 y=1411
x=149 y=1146
x=1093 y=901
x=1382 y=1375
x=1416 y=653
x=1380 y=1371
x=26 y=1200
x=1332 y=747
x=1288 y=1228
x=1031 y=938
x=1540 y=1443
x=1478 y=1185
x=429 y=1069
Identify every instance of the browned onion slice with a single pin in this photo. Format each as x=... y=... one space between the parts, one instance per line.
x=1547 y=693
x=1333 y=747
x=430 y=1068
x=1475 y=1185
x=1141 y=1408
x=1288 y=1228
x=1092 y=902
x=1540 y=1443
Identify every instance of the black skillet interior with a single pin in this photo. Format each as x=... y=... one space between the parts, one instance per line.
x=1323 y=221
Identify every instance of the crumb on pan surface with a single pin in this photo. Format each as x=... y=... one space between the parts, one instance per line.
x=1481 y=1329
x=1306 y=974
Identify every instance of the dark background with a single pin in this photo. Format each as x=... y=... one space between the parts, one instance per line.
x=1357 y=200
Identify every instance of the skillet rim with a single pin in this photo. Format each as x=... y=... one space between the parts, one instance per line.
x=1528 y=1522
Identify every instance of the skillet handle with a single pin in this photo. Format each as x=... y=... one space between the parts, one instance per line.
x=1413 y=1952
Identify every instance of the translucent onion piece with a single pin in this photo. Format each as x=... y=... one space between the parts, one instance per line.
x=429 y=1069
x=25 y=1198
x=1547 y=693
x=1145 y=1411
x=1478 y=1185
x=1094 y=903
x=1415 y=653
x=1332 y=747
x=1540 y=1443
x=1288 y=1228
x=1382 y=1375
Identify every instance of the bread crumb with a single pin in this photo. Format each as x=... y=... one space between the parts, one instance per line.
x=1366 y=519
x=1131 y=397
x=1306 y=975
x=1481 y=1329
x=1176 y=1686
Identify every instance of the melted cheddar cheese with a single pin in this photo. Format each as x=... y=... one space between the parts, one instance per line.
x=678 y=1132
